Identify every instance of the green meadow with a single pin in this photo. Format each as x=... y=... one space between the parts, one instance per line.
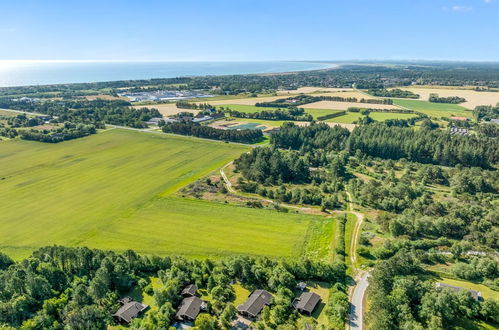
x=437 y=110
x=116 y=190
x=350 y=117
x=245 y=108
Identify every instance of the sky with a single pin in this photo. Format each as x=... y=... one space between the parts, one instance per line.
x=244 y=30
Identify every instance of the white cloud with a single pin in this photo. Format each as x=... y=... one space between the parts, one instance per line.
x=488 y=1
x=461 y=9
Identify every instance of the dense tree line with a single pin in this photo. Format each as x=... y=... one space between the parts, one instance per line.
x=302 y=99
x=369 y=110
x=313 y=136
x=271 y=165
x=396 y=92
x=292 y=113
x=22 y=120
x=486 y=112
x=95 y=112
x=67 y=132
x=450 y=99
x=194 y=129
x=424 y=146
x=192 y=105
x=79 y=288
x=8 y=132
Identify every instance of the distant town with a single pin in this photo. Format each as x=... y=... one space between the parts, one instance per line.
x=162 y=95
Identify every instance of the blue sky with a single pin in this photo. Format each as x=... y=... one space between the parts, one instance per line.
x=249 y=30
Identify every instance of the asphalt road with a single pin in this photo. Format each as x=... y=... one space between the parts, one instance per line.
x=355 y=319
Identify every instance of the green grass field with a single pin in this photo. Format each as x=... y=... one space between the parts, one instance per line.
x=487 y=293
x=350 y=117
x=245 y=108
x=437 y=110
x=114 y=190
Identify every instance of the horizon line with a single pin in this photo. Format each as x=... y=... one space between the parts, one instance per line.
x=270 y=60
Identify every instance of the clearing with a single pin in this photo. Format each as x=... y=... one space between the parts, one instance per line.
x=437 y=110
x=345 y=105
x=473 y=98
x=114 y=190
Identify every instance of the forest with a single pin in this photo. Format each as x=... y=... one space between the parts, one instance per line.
x=78 y=288
x=396 y=92
x=302 y=99
x=68 y=131
x=194 y=129
x=291 y=113
x=486 y=112
x=450 y=99
x=405 y=298
x=96 y=112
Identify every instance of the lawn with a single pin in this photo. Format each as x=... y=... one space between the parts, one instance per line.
x=487 y=293
x=114 y=190
x=437 y=110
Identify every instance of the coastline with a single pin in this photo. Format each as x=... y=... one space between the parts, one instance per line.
x=50 y=73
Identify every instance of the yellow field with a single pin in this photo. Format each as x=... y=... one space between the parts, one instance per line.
x=345 y=105
x=347 y=93
x=244 y=101
x=307 y=90
x=472 y=97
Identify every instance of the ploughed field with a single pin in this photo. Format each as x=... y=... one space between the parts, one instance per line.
x=115 y=190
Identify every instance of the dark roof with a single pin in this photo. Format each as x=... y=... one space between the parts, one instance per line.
x=189 y=308
x=129 y=310
x=475 y=294
x=190 y=290
x=255 y=302
x=307 y=301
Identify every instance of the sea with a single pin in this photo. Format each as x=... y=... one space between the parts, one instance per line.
x=25 y=73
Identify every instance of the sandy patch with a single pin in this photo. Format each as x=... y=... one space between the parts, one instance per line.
x=349 y=127
x=473 y=98
x=345 y=105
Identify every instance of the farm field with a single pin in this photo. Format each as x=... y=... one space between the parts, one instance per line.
x=345 y=105
x=308 y=90
x=114 y=190
x=251 y=109
x=7 y=113
x=243 y=101
x=437 y=110
x=473 y=98
x=350 y=117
